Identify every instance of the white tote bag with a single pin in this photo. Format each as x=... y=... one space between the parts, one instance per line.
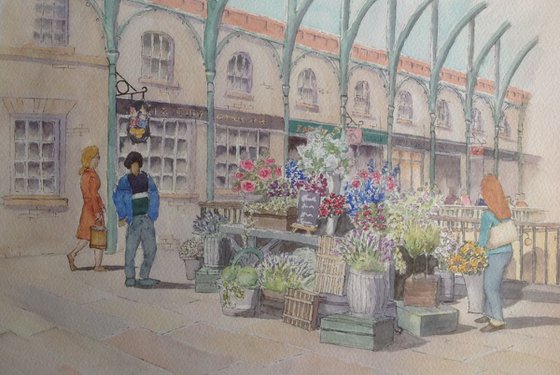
x=502 y=234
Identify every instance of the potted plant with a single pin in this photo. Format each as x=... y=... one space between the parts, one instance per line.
x=332 y=207
x=368 y=254
x=207 y=226
x=420 y=241
x=191 y=251
x=253 y=178
x=279 y=272
x=239 y=291
x=448 y=246
x=471 y=260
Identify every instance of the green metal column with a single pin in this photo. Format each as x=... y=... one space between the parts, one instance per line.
x=468 y=111
x=433 y=118
x=111 y=10
x=211 y=30
x=498 y=112
x=435 y=78
x=472 y=76
x=295 y=16
x=497 y=115
x=394 y=50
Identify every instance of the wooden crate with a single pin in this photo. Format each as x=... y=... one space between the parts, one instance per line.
x=421 y=291
x=272 y=303
x=357 y=331
x=275 y=220
x=427 y=321
x=301 y=309
x=326 y=245
x=206 y=280
x=330 y=274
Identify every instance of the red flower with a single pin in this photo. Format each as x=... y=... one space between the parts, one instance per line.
x=278 y=172
x=239 y=175
x=269 y=161
x=248 y=186
x=363 y=174
x=265 y=173
x=247 y=165
x=356 y=184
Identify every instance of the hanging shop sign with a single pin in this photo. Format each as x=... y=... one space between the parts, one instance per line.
x=138 y=128
x=354 y=136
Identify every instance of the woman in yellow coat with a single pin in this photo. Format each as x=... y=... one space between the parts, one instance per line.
x=92 y=209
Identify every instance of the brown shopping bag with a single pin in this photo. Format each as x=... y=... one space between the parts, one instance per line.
x=98 y=235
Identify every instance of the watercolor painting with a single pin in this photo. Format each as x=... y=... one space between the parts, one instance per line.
x=279 y=187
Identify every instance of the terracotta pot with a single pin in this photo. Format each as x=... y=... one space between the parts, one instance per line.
x=191 y=266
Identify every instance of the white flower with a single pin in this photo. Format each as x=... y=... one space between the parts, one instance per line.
x=331 y=162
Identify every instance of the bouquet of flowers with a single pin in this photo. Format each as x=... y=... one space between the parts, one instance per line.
x=333 y=205
x=470 y=259
x=324 y=153
x=366 y=250
x=367 y=187
x=448 y=246
x=192 y=248
x=256 y=176
x=371 y=217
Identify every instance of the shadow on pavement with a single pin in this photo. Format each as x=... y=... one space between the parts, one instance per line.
x=166 y=285
x=108 y=268
x=529 y=321
x=404 y=341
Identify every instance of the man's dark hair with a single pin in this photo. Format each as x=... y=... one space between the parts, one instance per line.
x=133 y=157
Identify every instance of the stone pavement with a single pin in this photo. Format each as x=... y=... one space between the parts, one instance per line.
x=53 y=321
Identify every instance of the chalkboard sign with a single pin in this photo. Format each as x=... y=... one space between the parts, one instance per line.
x=308 y=208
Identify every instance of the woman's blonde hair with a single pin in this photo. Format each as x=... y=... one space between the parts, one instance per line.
x=494 y=196
x=88 y=154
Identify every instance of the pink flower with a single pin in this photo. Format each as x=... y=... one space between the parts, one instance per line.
x=247 y=165
x=236 y=189
x=356 y=184
x=269 y=161
x=363 y=174
x=278 y=172
x=248 y=186
x=239 y=175
x=265 y=173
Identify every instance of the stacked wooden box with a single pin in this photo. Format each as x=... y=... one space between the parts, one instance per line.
x=206 y=280
x=275 y=220
x=301 y=309
x=330 y=274
x=272 y=303
x=357 y=331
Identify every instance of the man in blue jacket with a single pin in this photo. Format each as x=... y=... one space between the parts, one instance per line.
x=137 y=202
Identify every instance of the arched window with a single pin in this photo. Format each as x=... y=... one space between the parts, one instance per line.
x=505 y=128
x=405 y=109
x=240 y=73
x=157 y=56
x=362 y=98
x=443 y=117
x=477 y=122
x=307 y=87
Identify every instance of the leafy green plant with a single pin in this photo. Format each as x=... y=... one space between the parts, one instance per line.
x=367 y=251
x=235 y=280
x=281 y=272
x=421 y=240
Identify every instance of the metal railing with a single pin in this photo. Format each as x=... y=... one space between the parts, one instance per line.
x=536 y=255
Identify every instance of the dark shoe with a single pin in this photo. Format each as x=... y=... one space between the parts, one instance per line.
x=148 y=282
x=482 y=319
x=130 y=282
x=492 y=328
x=71 y=259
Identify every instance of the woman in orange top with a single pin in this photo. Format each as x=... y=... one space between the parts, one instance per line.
x=92 y=210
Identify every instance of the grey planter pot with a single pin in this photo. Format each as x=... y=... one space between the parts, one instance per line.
x=191 y=266
x=367 y=292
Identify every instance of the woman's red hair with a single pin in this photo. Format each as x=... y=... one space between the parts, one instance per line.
x=494 y=196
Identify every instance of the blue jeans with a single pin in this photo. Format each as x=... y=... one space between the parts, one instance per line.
x=140 y=230
x=493 y=275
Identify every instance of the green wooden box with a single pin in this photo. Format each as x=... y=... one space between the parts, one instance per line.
x=357 y=331
x=426 y=321
x=206 y=280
